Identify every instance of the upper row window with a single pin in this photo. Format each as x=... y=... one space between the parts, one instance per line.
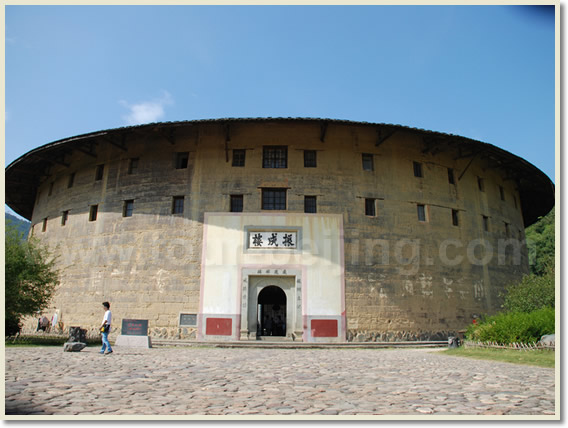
x=275 y=157
x=99 y=172
x=181 y=160
x=367 y=162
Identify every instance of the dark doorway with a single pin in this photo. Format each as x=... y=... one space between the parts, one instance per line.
x=271 y=312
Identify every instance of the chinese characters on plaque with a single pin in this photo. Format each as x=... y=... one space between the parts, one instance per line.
x=281 y=240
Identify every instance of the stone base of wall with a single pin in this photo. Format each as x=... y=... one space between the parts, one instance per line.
x=397 y=336
x=173 y=333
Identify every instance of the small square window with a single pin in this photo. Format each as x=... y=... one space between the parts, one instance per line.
x=99 y=172
x=127 y=208
x=417 y=169
x=310 y=158
x=133 y=165
x=275 y=157
x=93 y=210
x=44 y=226
x=71 y=180
x=370 y=207
x=239 y=157
x=455 y=218
x=181 y=160
x=481 y=184
x=502 y=193
x=177 y=204
x=64 y=217
x=451 y=178
x=273 y=199
x=486 y=223
x=310 y=205
x=421 y=212
x=236 y=203
x=368 y=162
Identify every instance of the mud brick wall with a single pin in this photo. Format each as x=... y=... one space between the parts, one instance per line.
x=404 y=278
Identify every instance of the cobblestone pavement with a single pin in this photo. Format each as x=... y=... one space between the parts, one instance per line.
x=252 y=381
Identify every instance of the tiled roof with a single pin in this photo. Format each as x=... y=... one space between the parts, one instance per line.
x=23 y=176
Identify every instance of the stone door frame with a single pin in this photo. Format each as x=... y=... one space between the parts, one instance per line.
x=252 y=283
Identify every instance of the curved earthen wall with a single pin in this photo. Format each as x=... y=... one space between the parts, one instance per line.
x=406 y=277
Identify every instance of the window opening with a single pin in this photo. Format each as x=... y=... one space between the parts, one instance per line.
x=451 y=178
x=239 y=157
x=275 y=157
x=236 y=203
x=417 y=169
x=273 y=199
x=421 y=212
x=455 y=218
x=127 y=208
x=370 y=207
x=177 y=205
x=64 y=217
x=310 y=158
x=310 y=205
x=99 y=172
x=93 y=210
x=133 y=165
x=182 y=160
x=367 y=162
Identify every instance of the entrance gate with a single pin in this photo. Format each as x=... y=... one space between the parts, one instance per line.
x=271 y=313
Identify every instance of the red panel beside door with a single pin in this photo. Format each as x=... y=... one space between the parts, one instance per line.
x=324 y=328
x=219 y=326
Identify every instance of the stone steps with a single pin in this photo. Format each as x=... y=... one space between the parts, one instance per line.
x=297 y=345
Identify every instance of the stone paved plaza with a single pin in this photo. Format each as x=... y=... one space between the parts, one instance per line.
x=217 y=381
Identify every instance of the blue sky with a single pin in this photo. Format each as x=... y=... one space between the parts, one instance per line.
x=483 y=72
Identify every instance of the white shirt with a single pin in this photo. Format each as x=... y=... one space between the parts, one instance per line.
x=107 y=317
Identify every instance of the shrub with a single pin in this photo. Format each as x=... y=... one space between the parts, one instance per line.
x=531 y=293
x=511 y=327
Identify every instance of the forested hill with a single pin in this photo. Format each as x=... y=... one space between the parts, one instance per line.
x=22 y=225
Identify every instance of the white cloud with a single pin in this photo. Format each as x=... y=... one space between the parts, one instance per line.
x=147 y=111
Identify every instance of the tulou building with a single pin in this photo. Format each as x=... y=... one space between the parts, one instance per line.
x=313 y=230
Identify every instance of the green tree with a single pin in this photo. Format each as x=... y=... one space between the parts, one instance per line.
x=540 y=241
x=30 y=278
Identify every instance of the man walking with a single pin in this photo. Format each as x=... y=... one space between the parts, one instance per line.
x=105 y=329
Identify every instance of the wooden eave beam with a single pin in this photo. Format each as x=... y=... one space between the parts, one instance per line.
x=463 y=155
x=227 y=139
x=383 y=135
x=432 y=145
x=121 y=145
x=53 y=161
x=88 y=151
x=323 y=131
x=169 y=136
x=467 y=167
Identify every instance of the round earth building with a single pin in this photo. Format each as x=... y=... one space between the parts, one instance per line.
x=313 y=230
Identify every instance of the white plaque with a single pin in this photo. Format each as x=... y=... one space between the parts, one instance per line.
x=269 y=239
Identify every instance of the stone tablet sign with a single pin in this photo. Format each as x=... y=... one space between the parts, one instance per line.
x=188 y=320
x=270 y=239
x=135 y=327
